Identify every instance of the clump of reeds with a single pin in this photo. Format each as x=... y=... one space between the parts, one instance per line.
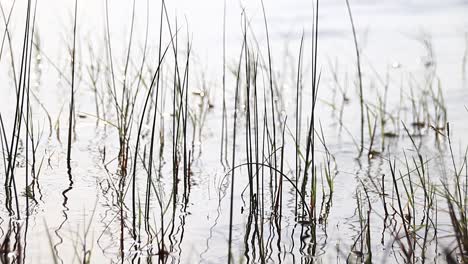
x=457 y=201
x=359 y=74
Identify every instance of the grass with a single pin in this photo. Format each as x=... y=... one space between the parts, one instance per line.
x=276 y=158
x=359 y=74
x=71 y=116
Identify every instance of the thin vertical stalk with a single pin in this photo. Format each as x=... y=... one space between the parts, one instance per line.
x=72 y=92
x=236 y=98
x=358 y=64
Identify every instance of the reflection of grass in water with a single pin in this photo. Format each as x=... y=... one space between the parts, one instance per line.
x=82 y=250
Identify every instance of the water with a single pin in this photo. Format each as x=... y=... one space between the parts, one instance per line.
x=79 y=214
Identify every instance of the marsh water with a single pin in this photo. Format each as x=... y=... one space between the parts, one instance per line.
x=412 y=54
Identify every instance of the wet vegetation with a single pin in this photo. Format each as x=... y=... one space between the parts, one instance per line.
x=249 y=165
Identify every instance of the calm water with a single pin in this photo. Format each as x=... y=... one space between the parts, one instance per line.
x=403 y=44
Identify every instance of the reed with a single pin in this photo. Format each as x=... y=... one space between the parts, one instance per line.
x=359 y=73
x=71 y=112
x=280 y=164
